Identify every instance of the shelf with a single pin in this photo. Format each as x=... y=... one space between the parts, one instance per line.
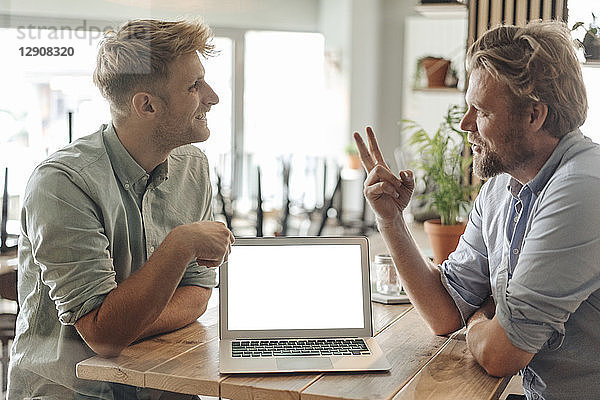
x=591 y=64
x=442 y=10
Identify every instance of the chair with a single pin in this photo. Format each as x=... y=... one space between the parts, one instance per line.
x=225 y=201
x=8 y=290
x=4 y=236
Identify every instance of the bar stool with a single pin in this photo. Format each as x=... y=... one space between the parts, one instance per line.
x=8 y=290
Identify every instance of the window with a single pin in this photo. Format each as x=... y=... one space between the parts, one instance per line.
x=38 y=93
x=284 y=113
x=219 y=74
x=41 y=93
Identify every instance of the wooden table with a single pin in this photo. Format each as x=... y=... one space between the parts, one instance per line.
x=424 y=366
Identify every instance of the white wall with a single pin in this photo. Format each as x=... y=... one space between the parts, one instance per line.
x=335 y=25
x=392 y=56
x=368 y=38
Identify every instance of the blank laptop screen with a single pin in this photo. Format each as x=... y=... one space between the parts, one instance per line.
x=295 y=287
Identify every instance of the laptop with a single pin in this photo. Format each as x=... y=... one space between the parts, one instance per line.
x=297 y=304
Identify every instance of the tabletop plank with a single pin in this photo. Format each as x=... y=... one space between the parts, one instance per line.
x=385 y=314
x=131 y=366
x=409 y=336
x=197 y=372
x=194 y=372
x=439 y=380
x=266 y=386
x=289 y=386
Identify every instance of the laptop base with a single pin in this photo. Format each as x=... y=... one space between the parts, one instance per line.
x=375 y=361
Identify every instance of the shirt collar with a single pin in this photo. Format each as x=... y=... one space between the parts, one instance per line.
x=126 y=168
x=160 y=173
x=543 y=176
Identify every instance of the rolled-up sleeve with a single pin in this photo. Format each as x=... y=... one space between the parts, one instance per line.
x=559 y=265
x=465 y=274
x=67 y=242
x=199 y=275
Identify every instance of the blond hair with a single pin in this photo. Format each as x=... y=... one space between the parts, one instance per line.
x=538 y=63
x=137 y=57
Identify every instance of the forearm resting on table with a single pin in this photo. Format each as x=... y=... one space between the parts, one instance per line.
x=133 y=306
x=491 y=347
x=421 y=279
x=187 y=305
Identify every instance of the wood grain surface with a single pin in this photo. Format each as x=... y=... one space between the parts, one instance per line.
x=439 y=378
x=424 y=366
x=131 y=366
x=408 y=345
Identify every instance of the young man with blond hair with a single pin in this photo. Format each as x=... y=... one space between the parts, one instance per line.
x=525 y=277
x=117 y=239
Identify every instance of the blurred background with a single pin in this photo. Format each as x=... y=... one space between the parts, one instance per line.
x=295 y=78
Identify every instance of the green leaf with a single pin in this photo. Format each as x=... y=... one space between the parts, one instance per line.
x=443 y=165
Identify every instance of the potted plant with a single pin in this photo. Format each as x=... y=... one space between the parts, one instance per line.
x=591 y=40
x=353 y=158
x=443 y=166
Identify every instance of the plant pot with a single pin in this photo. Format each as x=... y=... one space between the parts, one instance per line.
x=443 y=238
x=436 y=70
x=353 y=161
x=592 y=51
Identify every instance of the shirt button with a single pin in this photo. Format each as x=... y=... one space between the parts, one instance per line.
x=515 y=251
x=126 y=186
x=516 y=219
x=151 y=249
x=535 y=396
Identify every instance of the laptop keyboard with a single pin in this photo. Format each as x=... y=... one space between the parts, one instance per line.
x=299 y=348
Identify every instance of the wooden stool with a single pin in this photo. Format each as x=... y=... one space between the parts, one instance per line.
x=7 y=334
x=8 y=290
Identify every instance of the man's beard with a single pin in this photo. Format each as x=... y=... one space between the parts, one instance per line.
x=490 y=163
x=169 y=135
x=487 y=164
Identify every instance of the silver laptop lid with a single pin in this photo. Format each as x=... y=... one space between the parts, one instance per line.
x=296 y=287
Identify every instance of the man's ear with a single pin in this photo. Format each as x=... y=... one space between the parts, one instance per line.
x=537 y=115
x=144 y=105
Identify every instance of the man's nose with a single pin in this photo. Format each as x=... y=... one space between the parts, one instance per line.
x=467 y=122
x=213 y=98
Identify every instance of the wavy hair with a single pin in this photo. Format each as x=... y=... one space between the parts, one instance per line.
x=538 y=63
x=137 y=57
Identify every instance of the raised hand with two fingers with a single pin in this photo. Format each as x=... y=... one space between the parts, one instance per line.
x=387 y=193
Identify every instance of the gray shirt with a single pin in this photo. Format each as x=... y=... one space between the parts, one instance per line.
x=536 y=249
x=91 y=217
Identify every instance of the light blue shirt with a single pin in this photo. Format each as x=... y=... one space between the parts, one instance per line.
x=91 y=217
x=536 y=249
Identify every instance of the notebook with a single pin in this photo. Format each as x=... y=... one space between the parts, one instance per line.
x=297 y=304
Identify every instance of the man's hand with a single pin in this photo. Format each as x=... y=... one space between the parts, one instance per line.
x=209 y=242
x=387 y=194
